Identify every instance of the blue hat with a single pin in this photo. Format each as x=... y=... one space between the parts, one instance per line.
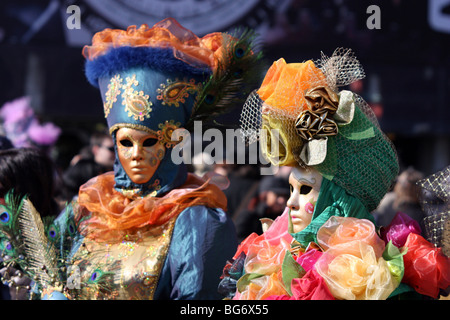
x=163 y=84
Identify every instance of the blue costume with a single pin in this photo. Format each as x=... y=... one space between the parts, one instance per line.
x=167 y=238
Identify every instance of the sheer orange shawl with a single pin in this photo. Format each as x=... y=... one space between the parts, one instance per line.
x=105 y=214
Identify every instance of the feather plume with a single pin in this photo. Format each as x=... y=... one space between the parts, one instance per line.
x=238 y=73
x=39 y=252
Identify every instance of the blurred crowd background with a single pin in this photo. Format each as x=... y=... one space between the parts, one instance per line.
x=406 y=59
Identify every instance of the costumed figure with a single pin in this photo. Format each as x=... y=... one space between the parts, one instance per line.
x=326 y=244
x=149 y=229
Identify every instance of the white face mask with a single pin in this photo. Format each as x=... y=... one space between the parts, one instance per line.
x=305 y=187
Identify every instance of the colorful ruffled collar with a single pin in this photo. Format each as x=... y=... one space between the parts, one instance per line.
x=105 y=214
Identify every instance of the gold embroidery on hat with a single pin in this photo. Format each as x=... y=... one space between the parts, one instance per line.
x=175 y=92
x=136 y=103
x=165 y=134
x=111 y=95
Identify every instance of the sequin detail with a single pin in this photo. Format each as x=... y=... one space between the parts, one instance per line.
x=174 y=92
x=133 y=193
x=165 y=134
x=127 y=270
x=136 y=103
x=111 y=95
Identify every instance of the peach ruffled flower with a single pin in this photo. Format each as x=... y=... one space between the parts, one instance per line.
x=264 y=287
x=347 y=232
x=360 y=276
x=265 y=258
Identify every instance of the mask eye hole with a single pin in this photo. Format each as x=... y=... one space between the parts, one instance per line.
x=126 y=143
x=291 y=188
x=305 y=189
x=150 y=142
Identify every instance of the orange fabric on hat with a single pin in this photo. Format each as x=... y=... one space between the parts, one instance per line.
x=166 y=34
x=285 y=84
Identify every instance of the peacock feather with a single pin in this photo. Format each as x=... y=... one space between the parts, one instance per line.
x=10 y=244
x=238 y=72
x=29 y=242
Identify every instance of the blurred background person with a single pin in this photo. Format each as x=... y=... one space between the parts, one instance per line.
x=403 y=198
x=100 y=150
x=76 y=175
x=269 y=202
x=102 y=147
x=29 y=172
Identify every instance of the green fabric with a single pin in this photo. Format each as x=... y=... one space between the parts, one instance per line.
x=361 y=160
x=246 y=279
x=333 y=201
x=291 y=269
x=394 y=260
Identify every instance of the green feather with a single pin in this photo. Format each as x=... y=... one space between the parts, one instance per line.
x=9 y=213
x=11 y=245
x=238 y=72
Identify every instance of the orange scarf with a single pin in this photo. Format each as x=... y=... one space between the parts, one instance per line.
x=107 y=215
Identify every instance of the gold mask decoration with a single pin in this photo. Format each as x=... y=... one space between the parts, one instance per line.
x=139 y=153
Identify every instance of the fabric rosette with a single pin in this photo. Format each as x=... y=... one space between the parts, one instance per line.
x=262 y=287
x=326 y=112
x=427 y=269
x=257 y=264
x=265 y=258
x=346 y=232
x=262 y=271
x=355 y=264
x=361 y=276
x=309 y=287
x=399 y=229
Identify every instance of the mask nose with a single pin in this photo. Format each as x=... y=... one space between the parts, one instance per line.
x=293 y=202
x=137 y=152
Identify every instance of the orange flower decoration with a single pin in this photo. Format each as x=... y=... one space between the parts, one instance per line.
x=264 y=287
x=285 y=84
x=265 y=258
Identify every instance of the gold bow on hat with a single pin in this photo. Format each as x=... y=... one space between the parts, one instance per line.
x=326 y=111
x=317 y=121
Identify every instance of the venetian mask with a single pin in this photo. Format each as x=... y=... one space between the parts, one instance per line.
x=139 y=152
x=305 y=187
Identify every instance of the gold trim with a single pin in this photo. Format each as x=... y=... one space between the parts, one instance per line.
x=160 y=134
x=162 y=261
x=136 y=126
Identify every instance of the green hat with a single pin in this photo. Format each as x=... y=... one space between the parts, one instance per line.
x=332 y=131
